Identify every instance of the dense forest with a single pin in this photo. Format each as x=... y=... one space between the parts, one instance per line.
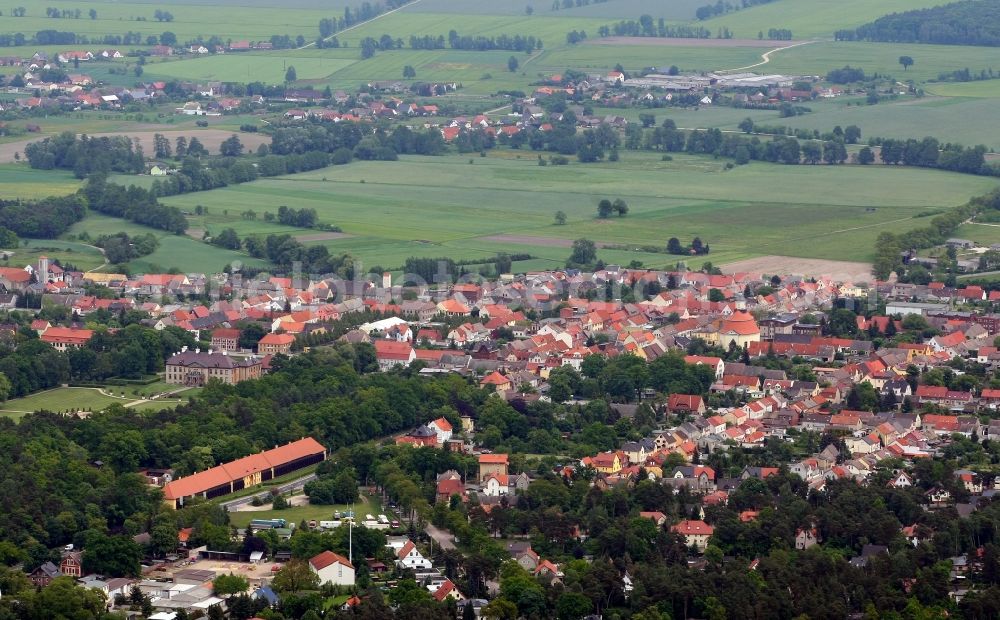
x=969 y=22
x=86 y=155
x=46 y=218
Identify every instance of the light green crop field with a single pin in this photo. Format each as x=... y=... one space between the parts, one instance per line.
x=221 y=19
x=883 y=58
x=20 y=181
x=677 y=10
x=445 y=206
x=180 y=252
x=596 y=55
x=254 y=66
x=551 y=30
x=952 y=119
x=811 y=18
x=984 y=89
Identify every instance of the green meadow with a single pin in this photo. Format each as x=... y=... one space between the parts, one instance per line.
x=175 y=251
x=447 y=206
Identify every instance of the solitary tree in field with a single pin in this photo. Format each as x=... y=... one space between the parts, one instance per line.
x=290 y=75
x=620 y=207
x=560 y=218
x=906 y=61
x=512 y=64
x=604 y=208
x=409 y=72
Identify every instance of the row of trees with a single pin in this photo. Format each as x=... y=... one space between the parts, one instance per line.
x=889 y=247
x=133 y=203
x=328 y=137
x=645 y=27
x=356 y=15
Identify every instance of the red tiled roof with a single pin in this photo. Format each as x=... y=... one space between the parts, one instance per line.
x=321 y=561
x=228 y=472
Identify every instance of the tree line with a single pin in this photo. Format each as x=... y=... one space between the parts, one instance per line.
x=646 y=27
x=967 y=22
x=889 y=247
x=133 y=203
x=356 y=15
x=709 y=11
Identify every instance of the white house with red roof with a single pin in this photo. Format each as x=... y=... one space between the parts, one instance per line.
x=409 y=556
x=390 y=353
x=695 y=533
x=332 y=568
x=443 y=429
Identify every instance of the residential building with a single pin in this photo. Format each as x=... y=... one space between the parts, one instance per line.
x=332 y=568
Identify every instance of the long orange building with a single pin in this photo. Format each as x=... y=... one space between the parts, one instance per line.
x=244 y=473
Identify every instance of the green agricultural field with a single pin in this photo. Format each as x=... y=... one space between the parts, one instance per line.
x=952 y=119
x=255 y=66
x=810 y=18
x=595 y=55
x=883 y=58
x=984 y=89
x=551 y=30
x=20 y=181
x=179 y=252
x=190 y=21
x=448 y=207
x=677 y=10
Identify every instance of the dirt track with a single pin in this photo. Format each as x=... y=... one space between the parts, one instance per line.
x=211 y=138
x=547 y=241
x=323 y=236
x=787 y=265
x=656 y=41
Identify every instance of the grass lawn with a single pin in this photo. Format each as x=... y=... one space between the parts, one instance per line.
x=75 y=398
x=296 y=514
x=61 y=399
x=444 y=206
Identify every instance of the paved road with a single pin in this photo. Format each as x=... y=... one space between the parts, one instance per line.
x=283 y=488
x=441 y=537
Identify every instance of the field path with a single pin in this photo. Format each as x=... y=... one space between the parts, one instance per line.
x=348 y=29
x=765 y=57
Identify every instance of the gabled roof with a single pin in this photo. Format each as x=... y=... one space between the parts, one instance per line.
x=328 y=558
